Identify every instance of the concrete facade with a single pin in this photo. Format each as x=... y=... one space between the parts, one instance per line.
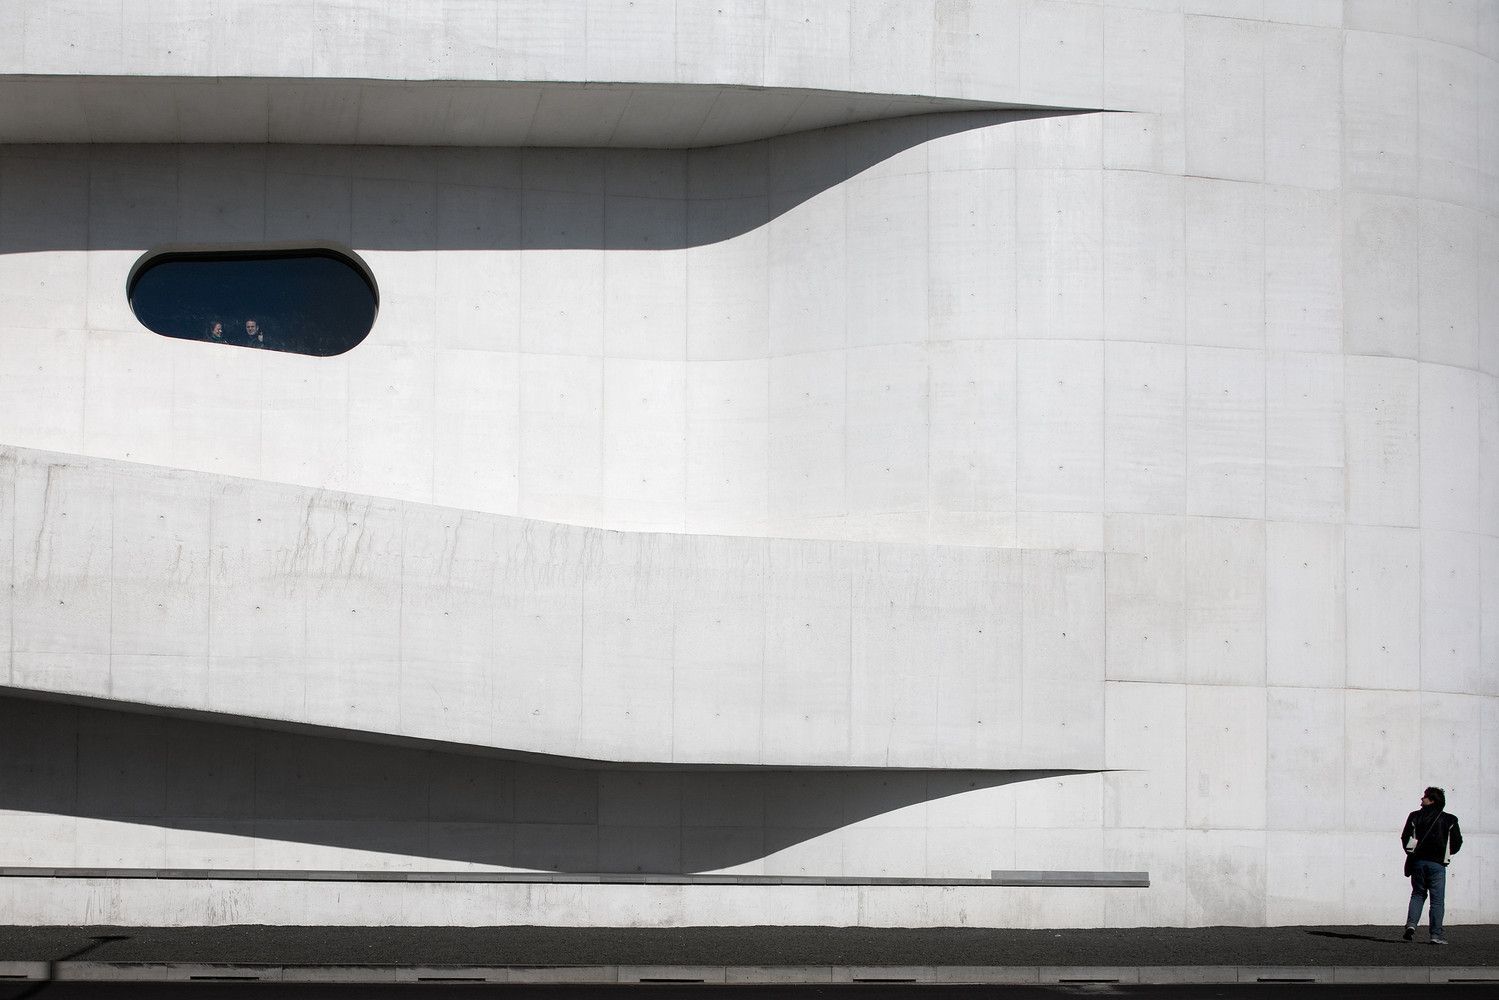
x=990 y=389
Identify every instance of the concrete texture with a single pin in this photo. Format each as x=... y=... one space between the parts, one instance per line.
x=1160 y=440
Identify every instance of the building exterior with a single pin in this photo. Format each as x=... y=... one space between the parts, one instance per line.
x=865 y=444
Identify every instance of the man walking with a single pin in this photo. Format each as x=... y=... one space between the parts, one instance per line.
x=1430 y=838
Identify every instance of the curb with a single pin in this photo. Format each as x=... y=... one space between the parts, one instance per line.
x=1008 y=975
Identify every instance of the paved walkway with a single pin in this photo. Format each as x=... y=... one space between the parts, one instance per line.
x=748 y=954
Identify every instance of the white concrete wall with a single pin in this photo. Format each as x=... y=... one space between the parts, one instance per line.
x=985 y=49
x=216 y=902
x=1237 y=349
x=200 y=593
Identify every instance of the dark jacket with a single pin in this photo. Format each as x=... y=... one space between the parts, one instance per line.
x=1431 y=835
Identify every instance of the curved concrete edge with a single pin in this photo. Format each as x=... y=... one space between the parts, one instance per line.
x=187 y=109
x=1018 y=975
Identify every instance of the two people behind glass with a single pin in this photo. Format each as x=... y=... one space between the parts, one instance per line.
x=254 y=336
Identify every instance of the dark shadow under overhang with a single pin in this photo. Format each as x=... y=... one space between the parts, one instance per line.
x=419 y=799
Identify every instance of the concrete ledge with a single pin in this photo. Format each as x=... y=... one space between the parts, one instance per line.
x=1459 y=974
x=672 y=974
x=884 y=974
x=989 y=975
x=118 y=972
x=1290 y=974
x=84 y=971
x=1052 y=879
x=450 y=974
x=787 y=975
x=222 y=974
x=1083 y=975
x=1189 y=975
x=1000 y=878
x=1375 y=974
x=563 y=974
x=22 y=970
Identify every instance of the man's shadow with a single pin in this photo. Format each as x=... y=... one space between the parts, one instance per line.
x=1356 y=937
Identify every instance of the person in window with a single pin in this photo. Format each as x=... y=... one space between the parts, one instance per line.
x=254 y=336
x=216 y=332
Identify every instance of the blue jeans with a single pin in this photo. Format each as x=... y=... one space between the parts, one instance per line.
x=1428 y=877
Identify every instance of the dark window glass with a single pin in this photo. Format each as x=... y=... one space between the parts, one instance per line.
x=317 y=301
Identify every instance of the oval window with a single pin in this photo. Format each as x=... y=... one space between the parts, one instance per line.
x=315 y=301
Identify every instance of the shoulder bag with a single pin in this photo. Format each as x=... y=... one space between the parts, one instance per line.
x=1410 y=855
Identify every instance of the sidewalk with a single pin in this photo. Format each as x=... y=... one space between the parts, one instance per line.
x=748 y=954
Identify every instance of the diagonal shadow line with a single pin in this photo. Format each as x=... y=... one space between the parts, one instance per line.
x=454 y=198
x=335 y=790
